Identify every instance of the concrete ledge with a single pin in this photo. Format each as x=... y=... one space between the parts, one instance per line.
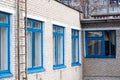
x=101 y=78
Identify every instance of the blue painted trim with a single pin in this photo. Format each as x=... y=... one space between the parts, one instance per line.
x=35 y=70
x=6 y=75
x=103 y=44
x=102 y=38
x=63 y=48
x=34 y=30
x=33 y=46
x=75 y=64
x=56 y=47
x=4 y=25
x=9 y=43
x=74 y=37
x=95 y=56
x=58 y=34
x=55 y=67
x=42 y=43
x=115 y=44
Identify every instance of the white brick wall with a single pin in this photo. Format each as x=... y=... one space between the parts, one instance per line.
x=9 y=7
x=55 y=13
x=51 y=12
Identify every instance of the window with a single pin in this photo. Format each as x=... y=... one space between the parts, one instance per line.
x=35 y=45
x=5 y=45
x=58 y=47
x=101 y=44
x=114 y=2
x=75 y=47
x=67 y=2
x=119 y=2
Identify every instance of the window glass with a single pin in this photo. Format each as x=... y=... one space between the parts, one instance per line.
x=60 y=49
x=35 y=46
x=94 y=47
x=29 y=49
x=4 y=45
x=75 y=33
x=29 y=23
x=60 y=29
x=58 y=45
x=3 y=18
x=75 y=47
x=3 y=49
x=54 y=29
x=38 y=50
x=37 y=24
x=103 y=46
x=109 y=43
x=94 y=34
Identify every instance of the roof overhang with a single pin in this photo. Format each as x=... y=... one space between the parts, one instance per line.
x=88 y=21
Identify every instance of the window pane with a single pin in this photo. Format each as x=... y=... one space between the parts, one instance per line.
x=29 y=46
x=94 y=34
x=94 y=47
x=54 y=50
x=54 y=29
x=38 y=50
x=60 y=49
x=29 y=23
x=75 y=33
x=60 y=30
x=75 y=50
x=57 y=45
x=109 y=43
x=3 y=18
x=3 y=49
x=37 y=24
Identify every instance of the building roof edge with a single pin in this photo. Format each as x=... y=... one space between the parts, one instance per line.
x=68 y=6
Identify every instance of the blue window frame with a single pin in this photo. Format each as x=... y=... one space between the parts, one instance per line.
x=58 y=47
x=75 y=47
x=5 y=45
x=100 y=44
x=35 y=45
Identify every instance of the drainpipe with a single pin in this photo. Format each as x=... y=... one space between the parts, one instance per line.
x=88 y=9
x=18 y=26
x=108 y=2
x=26 y=55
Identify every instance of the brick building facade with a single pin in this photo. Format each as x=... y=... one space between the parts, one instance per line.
x=60 y=44
x=101 y=68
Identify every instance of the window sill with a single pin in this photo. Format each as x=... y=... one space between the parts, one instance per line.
x=5 y=75
x=55 y=67
x=94 y=56
x=35 y=70
x=75 y=64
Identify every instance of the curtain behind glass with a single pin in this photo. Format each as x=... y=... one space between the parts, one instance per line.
x=60 y=49
x=37 y=47
x=54 y=50
x=3 y=49
x=94 y=47
x=29 y=46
